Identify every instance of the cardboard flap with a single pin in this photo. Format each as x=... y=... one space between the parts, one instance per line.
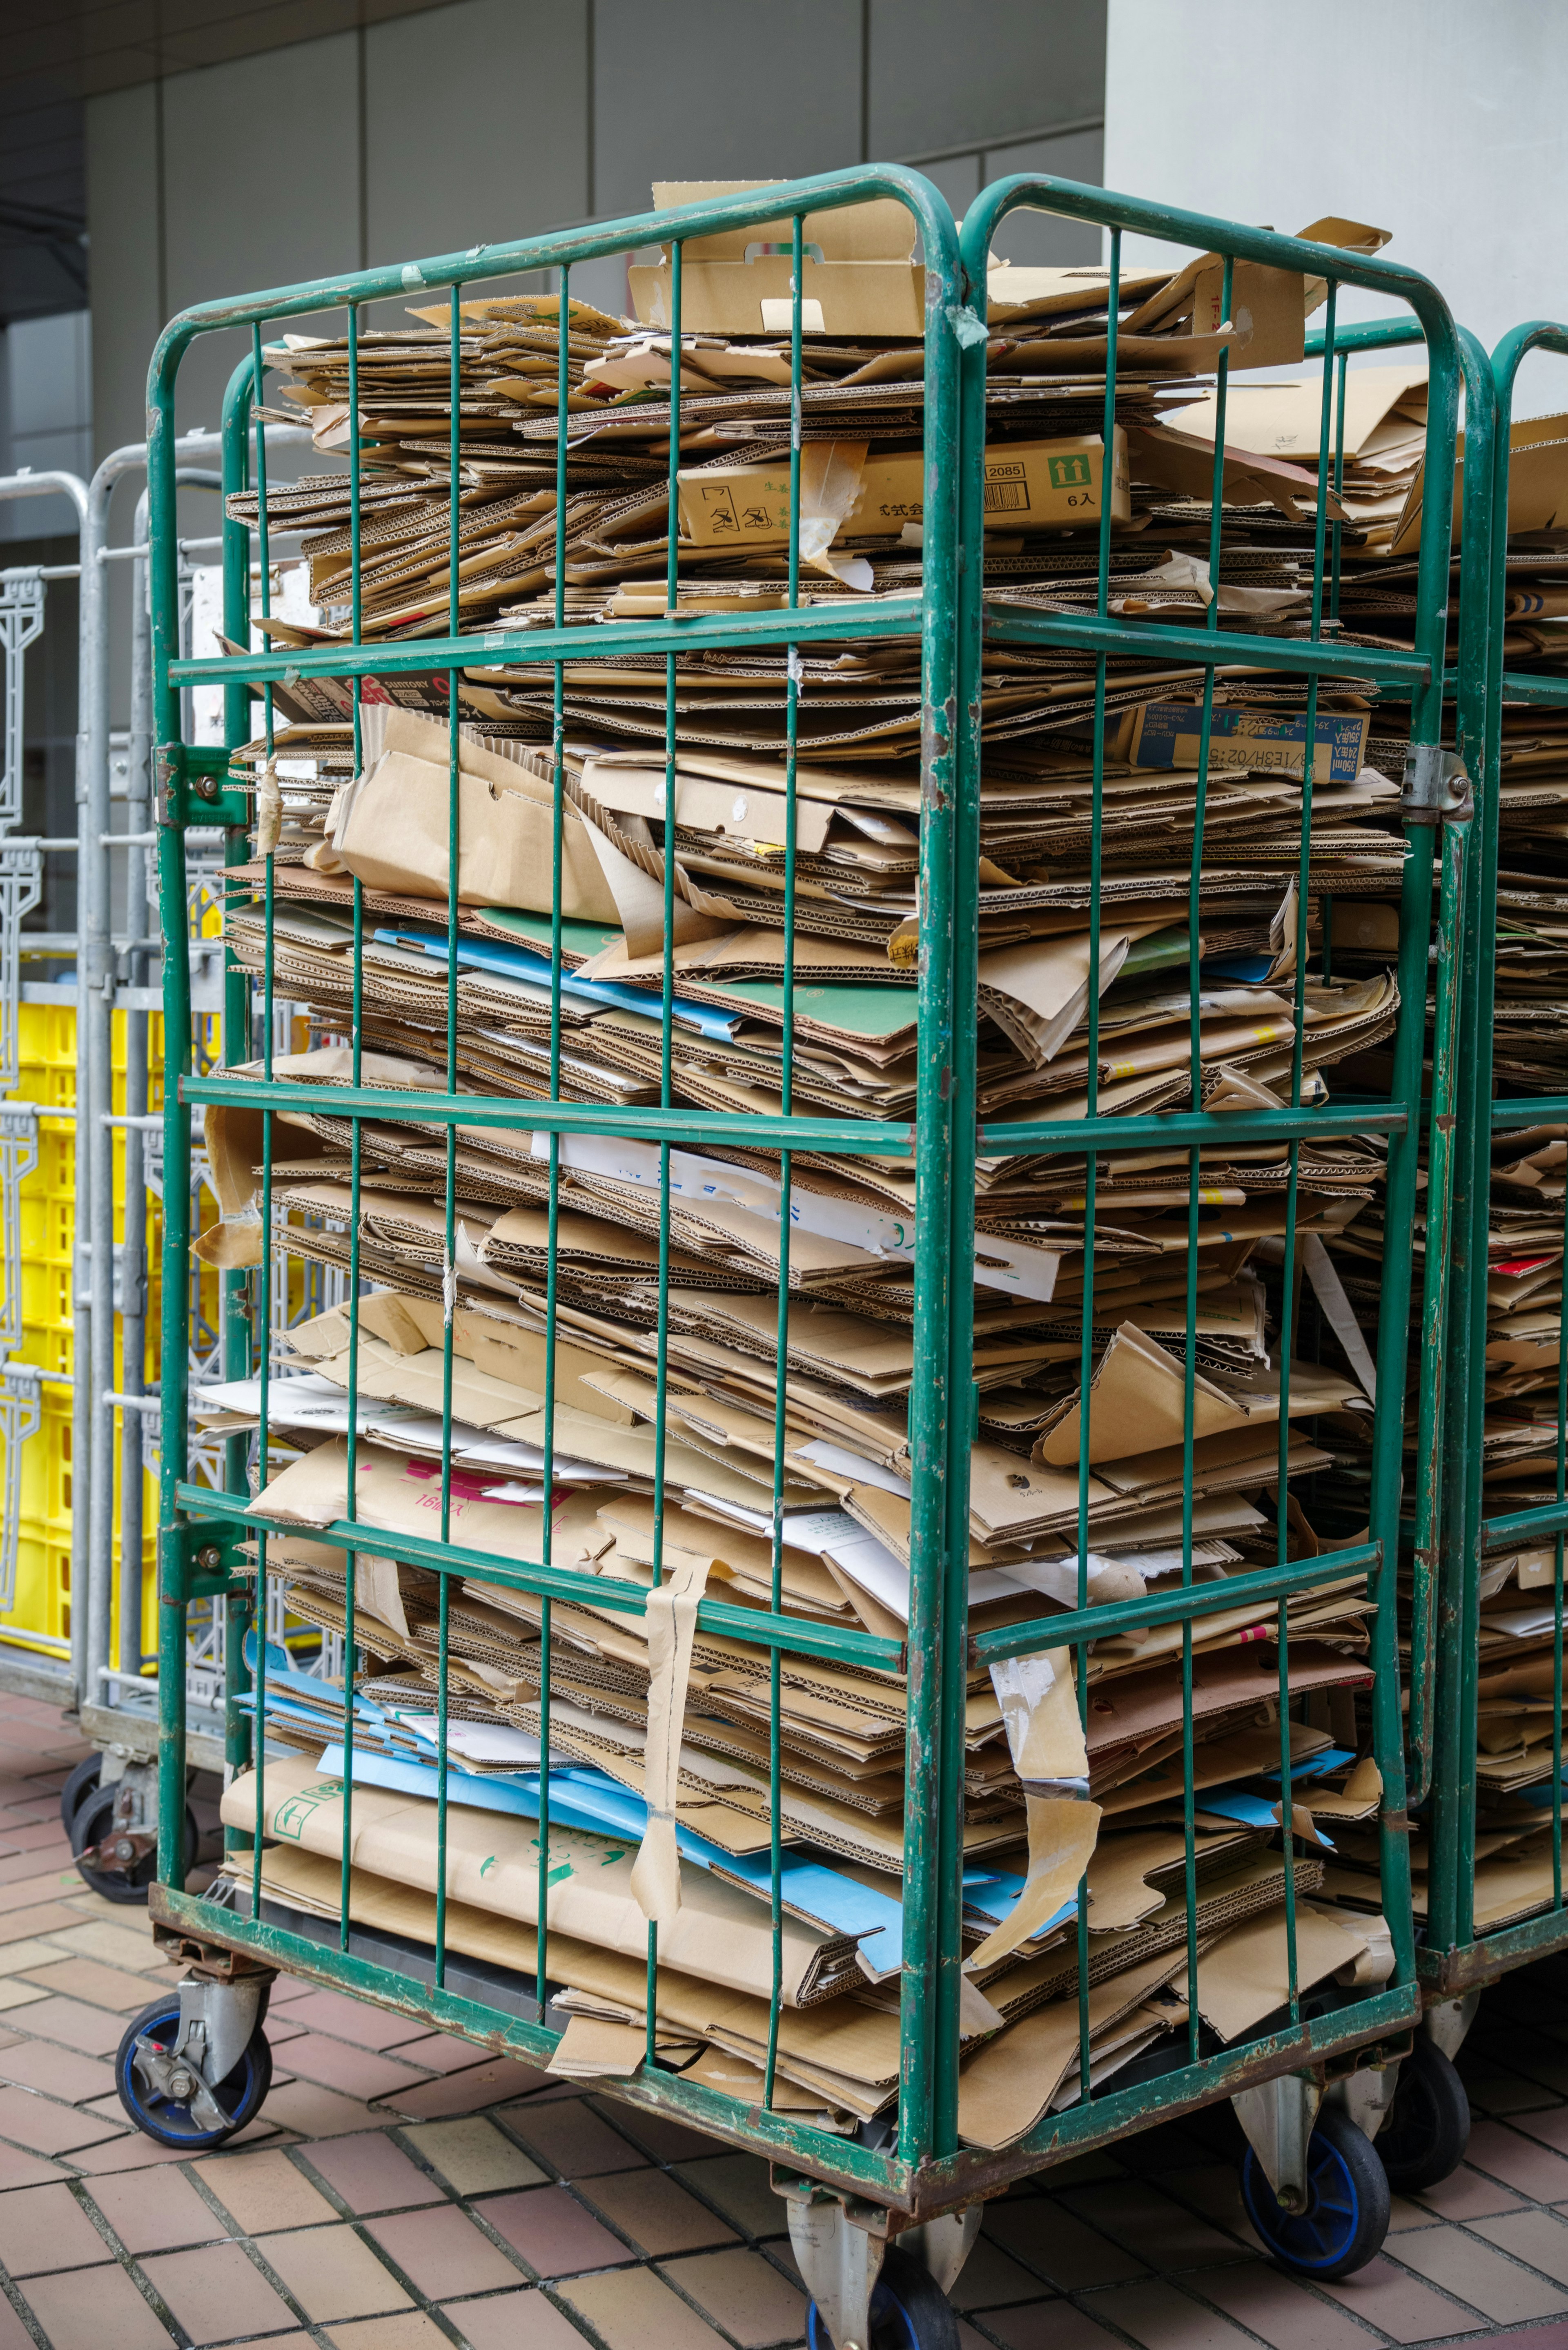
x=883 y=230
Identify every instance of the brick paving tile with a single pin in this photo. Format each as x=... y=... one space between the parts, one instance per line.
x=660 y=2135
x=1518 y=2161
x=990 y=2279
x=442 y=2052
x=472 y=2155
x=1047 y=2325
x=263 y=2191
x=412 y=2330
x=1159 y=2315
x=743 y=2292
x=1498 y=2089
x=57 y=2072
x=100 y=1986
x=1214 y=2190
x=29 y=1835
x=315 y=2112
x=45 y=2228
x=468 y=2092
x=95 y=2309
x=333 y=2274
x=356 y=2071
x=1389 y=2297
x=1058 y=2246
x=1539 y=2237
x=370 y=2173
x=44 y=2128
x=507 y=2321
x=552 y=2231
x=1547 y=2128
x=1283 y=2312
x=130 y=2151
x=1139 y=2217
x=1468 y=2195
x=156 y=2210
x=353 y=2019
x=93 y=2031
x=636 y=2310
x=19 y=1994
x=1453 y=2258
x=738 y=2185
x=20 y=1920
x=112 y=1946
x=655 y=2211
x=217 y=2295
x=574 y=2139
x=19 y=2169
x=442 y=2251
x=24 y=1868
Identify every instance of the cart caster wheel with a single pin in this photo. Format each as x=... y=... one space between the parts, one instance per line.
x=81 y=1783
x=1425 y=2136
x=910 y=2311
x=1346 y=2214
x=94 y=1820
x=166 y=2101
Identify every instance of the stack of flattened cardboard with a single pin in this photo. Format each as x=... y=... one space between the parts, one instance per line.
x=657 y=1725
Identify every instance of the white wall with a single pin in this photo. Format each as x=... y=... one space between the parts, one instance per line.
x=1445 y=120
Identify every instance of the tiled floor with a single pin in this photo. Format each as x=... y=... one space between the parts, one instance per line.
x=402 y=2192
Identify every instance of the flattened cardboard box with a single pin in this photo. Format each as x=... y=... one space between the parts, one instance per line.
x=1029 y=485
x=1166 y=735
x=859 y=273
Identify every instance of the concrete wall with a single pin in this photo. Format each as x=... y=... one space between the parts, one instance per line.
x=1439 y=119
x=45 y=418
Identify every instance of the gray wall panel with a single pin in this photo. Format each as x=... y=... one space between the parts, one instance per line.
x=699 y=89
x=942 y=75
x=122 y=207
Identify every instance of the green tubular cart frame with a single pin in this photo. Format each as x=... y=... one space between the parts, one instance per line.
x=924 y=2174
x=1455 y=1960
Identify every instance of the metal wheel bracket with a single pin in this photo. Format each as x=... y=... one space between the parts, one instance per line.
x=840 y=2247
x=943 y=2245
x=1278 y=2117
x=1447 y=2021
x=216 y=2024
x=1367 y=2096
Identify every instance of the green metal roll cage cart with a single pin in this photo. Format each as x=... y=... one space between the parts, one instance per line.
x=848 y=2198
x=1457 y=1960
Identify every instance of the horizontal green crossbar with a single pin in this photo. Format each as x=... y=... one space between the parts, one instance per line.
x=1204 y=648
x=881 y=1137
x=504 y=648
x=1552 y=691
x=1534 y=1109
x=1268 y=1585
x=1220 y=1127
x=1541 y=1524
x=793 y=1633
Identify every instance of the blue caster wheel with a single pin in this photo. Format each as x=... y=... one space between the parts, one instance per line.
x=165 y=2098
x=910 y=2311
x=1347 y=2203
x=1425 y=2136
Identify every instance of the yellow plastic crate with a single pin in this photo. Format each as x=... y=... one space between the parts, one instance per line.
x=41 y=1618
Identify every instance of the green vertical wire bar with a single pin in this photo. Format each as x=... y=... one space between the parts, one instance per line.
x=1287 y=1290
x=667 y=1006
x=449 y=1269
x=239 y=1740
x=553 y=1208
x=351 y=1558
x=264 y=1304
x=1091 y=1162
x=1195 y=1159
x=1344 y=365
x=786 y=1170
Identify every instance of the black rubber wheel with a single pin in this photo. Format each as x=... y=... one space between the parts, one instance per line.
x=910 y=2311
x=77 y=1788
x=1425 y=2136
x=168 y=2123
x=93 y=1821
x=1347 y=2205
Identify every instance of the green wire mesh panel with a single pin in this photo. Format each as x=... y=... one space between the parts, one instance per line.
x=1496 y=1878
x=831 y=1612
